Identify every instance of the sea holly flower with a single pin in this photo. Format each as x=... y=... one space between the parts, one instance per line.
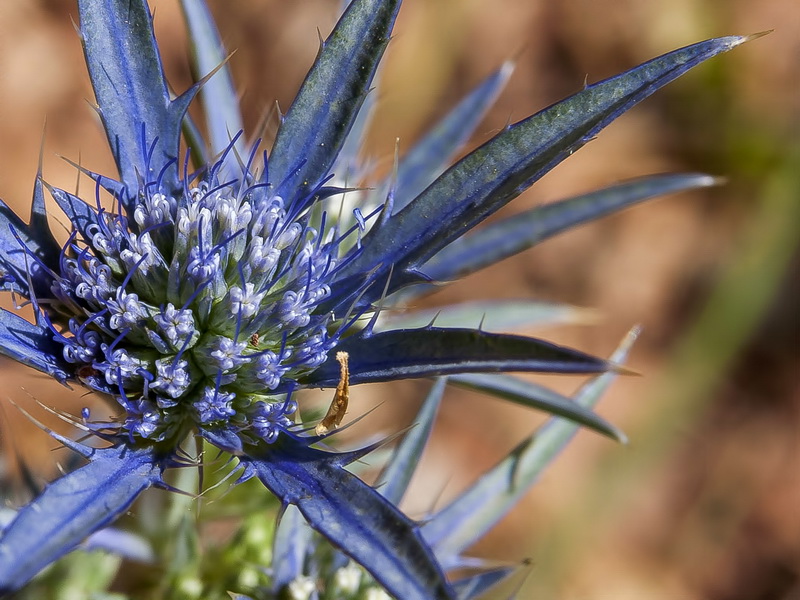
x=215 y=284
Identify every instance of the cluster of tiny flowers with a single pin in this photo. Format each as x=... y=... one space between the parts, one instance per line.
x=198 y=310
x=348 y=583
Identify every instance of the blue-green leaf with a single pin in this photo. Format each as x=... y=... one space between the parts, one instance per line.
x=451 y=530
x=122 y=543
x=290 y=546
x=497 y=315
x=512 y=235
x=351 y=515
x=72 y=508
x=219 y=98
x=536 y=396
x=505 y=166
x=323 y=111
x=396 y=476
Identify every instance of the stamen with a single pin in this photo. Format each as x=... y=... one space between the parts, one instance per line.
x=160 y=179
x=218 y=165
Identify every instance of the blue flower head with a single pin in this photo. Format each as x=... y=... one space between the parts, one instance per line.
x=199 y=291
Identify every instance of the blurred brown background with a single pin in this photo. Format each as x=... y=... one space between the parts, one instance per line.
x=705 y=501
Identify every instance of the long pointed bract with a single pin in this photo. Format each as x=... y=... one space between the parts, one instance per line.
x=528 y=393
x=507 y=237
x=131 y=92
x=352 y=515
x=321 y=115
x=468 y=517
x=71 y=508
x=504 y=167
x=31 y=345
x=396 y=476
x=223 y=118
x=410 y=353
x=290 y=546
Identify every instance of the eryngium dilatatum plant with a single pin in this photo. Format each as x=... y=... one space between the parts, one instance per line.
x=218 y=282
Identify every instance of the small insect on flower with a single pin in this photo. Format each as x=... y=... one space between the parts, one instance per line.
x=85 y=373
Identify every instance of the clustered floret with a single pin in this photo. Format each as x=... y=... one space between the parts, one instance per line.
x=198 y=310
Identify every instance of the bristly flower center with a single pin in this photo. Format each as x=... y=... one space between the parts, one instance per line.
x=200 y=311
